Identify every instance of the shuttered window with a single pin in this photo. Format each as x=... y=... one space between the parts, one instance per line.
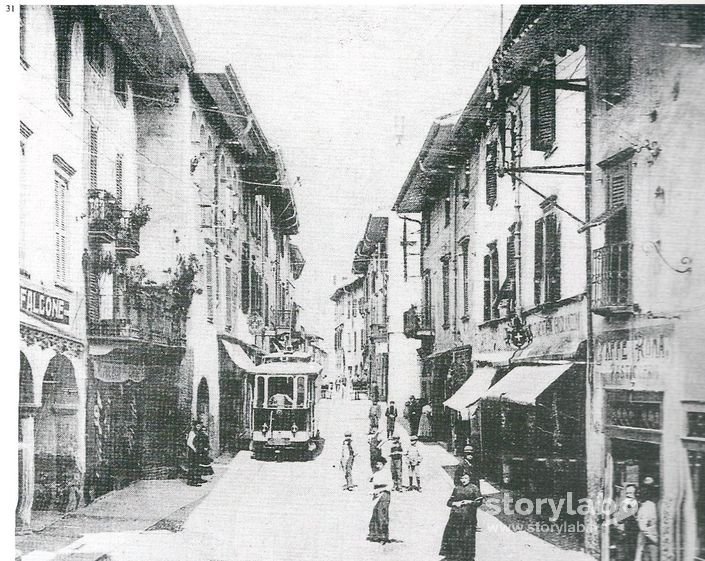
x=510 y=282
x=466 y=288
x=446 y=292
x=426 y=226
x=118 y=178
x=228 y=296
x=427 y=300
x=538 y=261
x=617 y=182
x=23 y=30
x=491 y=174
x=491 y=287
x=60 y=189
x=543 y=109
x=245 y=279
x=62 y=31
x=209 y=284
x=93 y=156
x=547 y=259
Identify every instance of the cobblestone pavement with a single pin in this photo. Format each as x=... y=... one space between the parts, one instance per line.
x=300 y=511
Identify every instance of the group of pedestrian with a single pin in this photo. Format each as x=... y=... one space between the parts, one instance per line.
x=635 y=523
x=418 y=413
x=198 y=448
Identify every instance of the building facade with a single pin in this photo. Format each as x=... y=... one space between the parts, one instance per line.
x=349 y=331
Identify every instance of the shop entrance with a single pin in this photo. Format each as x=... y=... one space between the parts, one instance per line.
x=636 y=474
x=57 y=476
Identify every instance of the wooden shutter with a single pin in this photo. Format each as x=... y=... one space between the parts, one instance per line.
x=617 y=193
x=491 y=174
x=245 y=278
x=487 y=313
x=466 y=289
x=543 y=110
x=511 y=268
x=538 y=261
x=553 y=258
x=60 y=226
x=495 y=281
x=118 y=179
x=209 y=283
x=93 y=155
x=446 y=292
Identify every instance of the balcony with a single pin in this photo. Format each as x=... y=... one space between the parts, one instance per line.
x=417 y=326
x=147 y=318
x=612 y=279
x=127 y=242
x=103 y=216
x=378 y=330
x=283 y=320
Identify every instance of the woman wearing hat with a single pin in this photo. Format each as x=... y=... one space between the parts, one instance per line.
x=425 y=432
x=381 y=496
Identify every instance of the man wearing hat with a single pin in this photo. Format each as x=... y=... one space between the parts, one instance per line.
x=396 y=453
x=467 y=466
x=347 y=458
x=413 y=464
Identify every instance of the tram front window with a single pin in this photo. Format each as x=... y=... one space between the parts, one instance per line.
x=281 y=391
x=284 y=420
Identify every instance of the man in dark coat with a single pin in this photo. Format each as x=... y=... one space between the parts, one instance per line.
x=414 y=415
x=391 y=415
x=467 y=466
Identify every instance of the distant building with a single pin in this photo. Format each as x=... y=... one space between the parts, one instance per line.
x=349 y=332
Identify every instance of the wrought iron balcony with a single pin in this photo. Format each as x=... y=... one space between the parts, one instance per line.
x=283 y=319
x=127 y=242
x=378 y=330
x=417 y=326
x=147 y=317
x=104 y=216
x=612 y=279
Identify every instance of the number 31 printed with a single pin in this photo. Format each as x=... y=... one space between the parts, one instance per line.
x=9 y=8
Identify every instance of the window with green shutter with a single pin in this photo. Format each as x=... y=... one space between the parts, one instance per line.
x=491 y=174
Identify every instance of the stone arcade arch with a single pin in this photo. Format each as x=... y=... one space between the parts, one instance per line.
x=57 y=471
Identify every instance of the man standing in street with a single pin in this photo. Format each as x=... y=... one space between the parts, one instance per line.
x=413 y=464
x=396 y=454
x=467 y=466
x=414 y=414
x=391 y=415
x=374 y=415
x=347 y=459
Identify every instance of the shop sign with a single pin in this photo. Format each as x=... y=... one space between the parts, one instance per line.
x=553 y=333
x=45 y=306
x=633 y=358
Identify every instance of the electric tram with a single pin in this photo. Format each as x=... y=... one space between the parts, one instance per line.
x=284 y=407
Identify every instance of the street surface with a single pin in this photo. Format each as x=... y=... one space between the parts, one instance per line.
x=300 y=511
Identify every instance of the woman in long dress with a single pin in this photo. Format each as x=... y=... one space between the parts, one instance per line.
x=425 y=432
x=459 y=535
x=381 y=497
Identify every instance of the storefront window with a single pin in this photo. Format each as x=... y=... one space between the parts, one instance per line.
x=697 y=474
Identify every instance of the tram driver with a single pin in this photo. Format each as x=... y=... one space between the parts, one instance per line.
x=280 y=400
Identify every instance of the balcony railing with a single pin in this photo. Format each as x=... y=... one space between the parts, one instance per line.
x=103 y=216
x=612 y=278
x=147 y=317
x=378 y=330
x=283 y=319
x=127 y=241
x=416 y=325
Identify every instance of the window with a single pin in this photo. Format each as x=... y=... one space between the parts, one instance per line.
x=491 y=174
x=355 y=341
x=94 y=47
x=209 y=284
x=543 y=109
x=245 y=278
x=349 y=307
x=228 y=296
x=426 y=226
x=508 y=291
x=427 y=299
x=120 y=80
x=613 y=61
x=216 y=273
x=93 y=156
x=23 y=32
x=355 y=305
x=62 y=32
x=61 y=185
x=491 y=289
x=265 y=234
x=118 y=179
x=446 y=290
x=547 y=259
x=466 y=290
x=447 y=210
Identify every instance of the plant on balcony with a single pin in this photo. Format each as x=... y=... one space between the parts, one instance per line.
x=139 y=215
x=104 y=262
x=182 y=285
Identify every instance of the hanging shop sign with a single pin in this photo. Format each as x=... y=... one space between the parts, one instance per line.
x=634 y=359
x=43 y=305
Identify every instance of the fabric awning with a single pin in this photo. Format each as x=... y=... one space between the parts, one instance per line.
x=524 y=384
x=238 y=356
x=471 y=391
